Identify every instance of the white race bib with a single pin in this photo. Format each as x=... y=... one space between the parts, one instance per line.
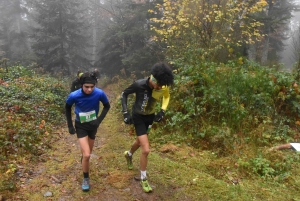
x=87 y=116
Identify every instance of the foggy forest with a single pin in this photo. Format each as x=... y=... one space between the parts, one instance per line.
x=64 y=36
x=233 y=114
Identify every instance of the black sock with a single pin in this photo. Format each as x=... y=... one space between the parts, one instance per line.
x=86 y=175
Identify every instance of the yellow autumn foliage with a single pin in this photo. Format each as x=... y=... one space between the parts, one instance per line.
x=207 y=24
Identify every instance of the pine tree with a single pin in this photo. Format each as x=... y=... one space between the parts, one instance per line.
x=61 y=39
x=126 y=43
x=275 y=22
x=14 y=30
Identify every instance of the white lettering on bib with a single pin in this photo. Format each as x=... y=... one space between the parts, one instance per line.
x=87 y=116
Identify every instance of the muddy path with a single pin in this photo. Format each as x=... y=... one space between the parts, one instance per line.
x=57 y=175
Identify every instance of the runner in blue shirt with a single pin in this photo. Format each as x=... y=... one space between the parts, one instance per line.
x=87 y=119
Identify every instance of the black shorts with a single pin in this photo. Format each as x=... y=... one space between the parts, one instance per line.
x=85 y=129
x=142 y=123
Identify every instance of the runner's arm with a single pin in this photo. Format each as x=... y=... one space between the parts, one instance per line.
x=68 y=114
x=131 y=89
x=105 y=109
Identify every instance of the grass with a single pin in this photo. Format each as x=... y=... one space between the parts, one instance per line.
x=176 y=172
x=203 y=175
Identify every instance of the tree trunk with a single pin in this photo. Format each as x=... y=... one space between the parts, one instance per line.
x=251 y=52
x=95 y=31
x=265 y=50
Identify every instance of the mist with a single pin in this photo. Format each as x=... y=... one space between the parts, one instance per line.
x=287 y=58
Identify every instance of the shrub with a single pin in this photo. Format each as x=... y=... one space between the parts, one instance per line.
x=31 y=107
x=214 y=102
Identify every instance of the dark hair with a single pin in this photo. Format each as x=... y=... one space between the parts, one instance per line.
x=88 y=78
x=162 y=73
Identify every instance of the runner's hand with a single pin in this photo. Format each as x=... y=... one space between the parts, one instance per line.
x=96 y=122
x=127 y=118
x=72 y=130
x=159 y=116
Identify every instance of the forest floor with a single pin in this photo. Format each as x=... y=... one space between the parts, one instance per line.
x=57 y=175
x=175 y=172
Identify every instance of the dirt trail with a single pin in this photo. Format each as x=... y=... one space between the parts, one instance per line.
x=58 y=172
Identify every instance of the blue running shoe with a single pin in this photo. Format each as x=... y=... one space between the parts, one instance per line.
x=85 y=184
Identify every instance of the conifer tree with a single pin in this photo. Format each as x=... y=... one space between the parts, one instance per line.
x=127 y=40
x=275 y=18
x=14 y=30
x=60 y=39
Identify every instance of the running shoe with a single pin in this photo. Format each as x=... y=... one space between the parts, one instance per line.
x=129 y=160
x=145 y=185
x=85 y=184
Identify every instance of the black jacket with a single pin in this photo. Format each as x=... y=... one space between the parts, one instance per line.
x=145 y=97
x=75 y=85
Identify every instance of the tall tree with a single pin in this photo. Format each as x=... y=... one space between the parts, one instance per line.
x=275 y=18
x=296 y=52
x=14 y=30
x=207 y=30
x=127 y=40
x=61 y=39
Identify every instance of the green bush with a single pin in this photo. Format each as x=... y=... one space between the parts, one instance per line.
x=213 y=102
x=32 y=107
x=271 y=165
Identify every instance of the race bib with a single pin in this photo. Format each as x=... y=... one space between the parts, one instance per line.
x=87 y=116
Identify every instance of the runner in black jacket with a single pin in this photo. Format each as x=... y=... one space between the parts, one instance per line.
x=148 y=92
x=76 y=83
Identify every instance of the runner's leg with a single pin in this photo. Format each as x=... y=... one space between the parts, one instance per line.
x=144 y=144
x=135 y=146
x=85 y=143
x=91 y=144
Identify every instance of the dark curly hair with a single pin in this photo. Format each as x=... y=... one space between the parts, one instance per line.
x=162 y=73
x=88 y=78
